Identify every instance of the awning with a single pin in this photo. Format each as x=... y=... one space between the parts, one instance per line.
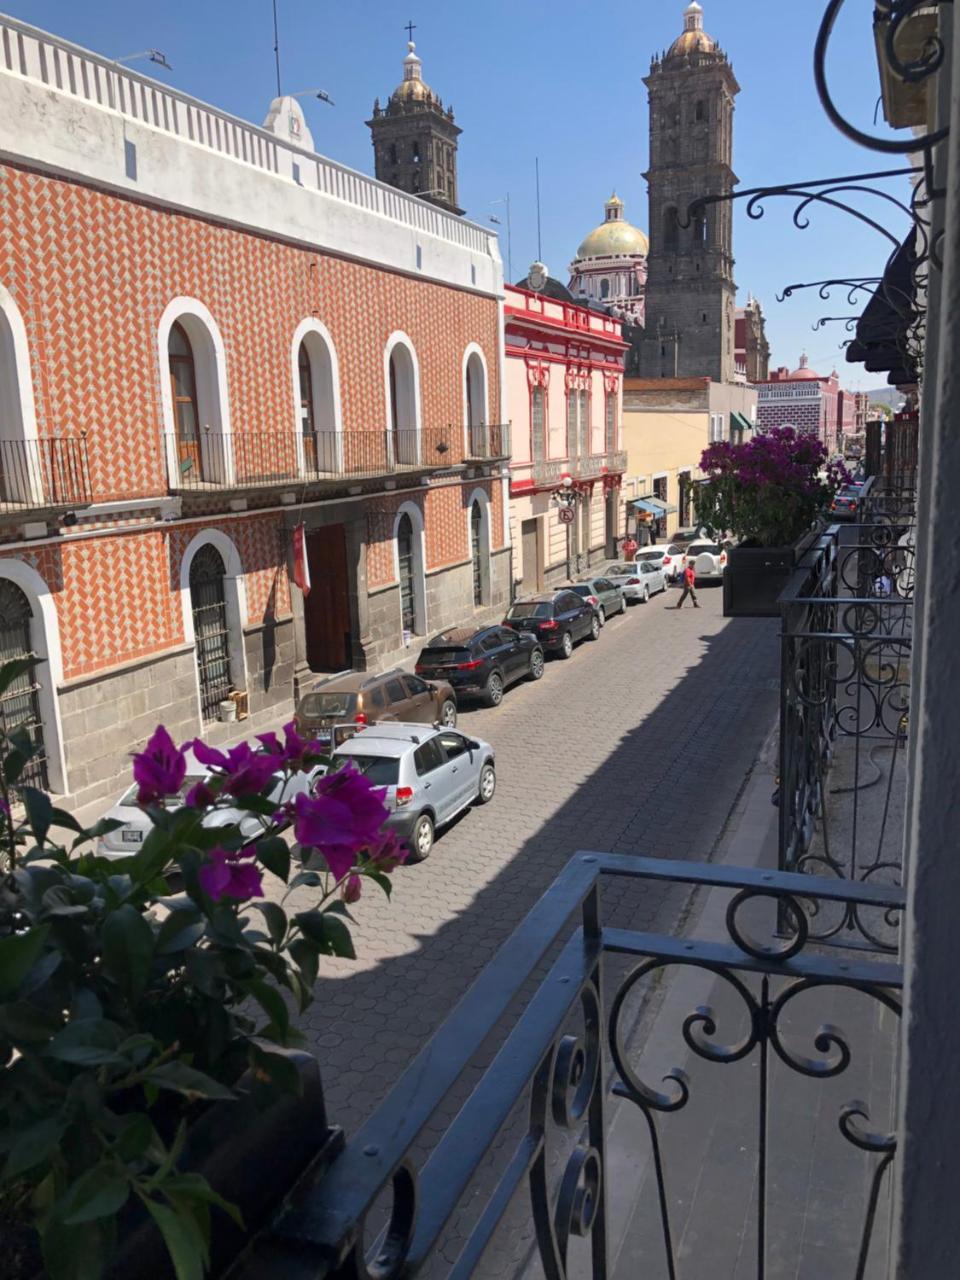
x=739 y=421
x=883 y=341
x=654 y=506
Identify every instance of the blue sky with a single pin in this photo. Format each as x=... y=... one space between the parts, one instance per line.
x=559 y=81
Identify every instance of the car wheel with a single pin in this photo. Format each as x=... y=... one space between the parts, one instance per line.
x=448 y=714
x=536 y=664
x=421 y=841
x=645 y=598
x=566 y=645
x=594 y=628
x=488 y=784
x=493 y=694
x=601 y=615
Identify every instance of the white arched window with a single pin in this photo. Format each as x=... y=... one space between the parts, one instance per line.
x=21 y=473
x=402 y=379
x=410 y=568
x=193 y=389
x=316 y=394
x=29 y=628
x=214 y=607
x=475 y=412
x=478 y=535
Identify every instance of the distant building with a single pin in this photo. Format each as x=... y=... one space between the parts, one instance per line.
x=564 y=378
x=611 y=265
x=415 y=139
x=807 y=400
x=751 y=349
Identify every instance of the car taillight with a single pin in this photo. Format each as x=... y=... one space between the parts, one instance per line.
x=419 y=668
x=550 y=625
x=360 y=718
x=723 y=557
x=404 y=795
x=666 y=559
x=468 y=666
x=633 y=582
x=594 y=599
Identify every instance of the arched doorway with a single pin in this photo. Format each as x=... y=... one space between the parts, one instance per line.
x=317 y=400
x=402 y=388
x=405 y=563
x=183 y=392
x=20 y=702
x=210 y=629
x=476 y=406
x=308 y=422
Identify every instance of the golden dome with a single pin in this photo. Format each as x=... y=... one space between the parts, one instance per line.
x=411 y=88
x=615 y=237
x=693 y=38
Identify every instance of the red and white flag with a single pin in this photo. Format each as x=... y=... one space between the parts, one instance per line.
x=301 y=565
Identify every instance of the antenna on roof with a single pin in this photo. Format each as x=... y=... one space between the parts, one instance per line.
x=539 y=249
x=276 y=46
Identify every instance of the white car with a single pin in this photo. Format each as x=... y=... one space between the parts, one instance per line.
x=126 y=840
x=709 y=560
x=637 y=581
x=667 y=555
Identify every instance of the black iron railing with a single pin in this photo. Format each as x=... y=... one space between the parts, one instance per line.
x=541 y=1111
x=488 y=440
x=255 y=459
x=48 y=473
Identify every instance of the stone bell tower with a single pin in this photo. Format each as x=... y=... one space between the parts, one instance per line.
x=690 y=292
x=415 y=139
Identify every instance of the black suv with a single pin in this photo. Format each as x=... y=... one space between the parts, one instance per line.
x=556 y=618
x=481 y=662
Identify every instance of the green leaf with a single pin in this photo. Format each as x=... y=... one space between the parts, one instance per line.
x=127 y=949
x=23 y=1023
x=18 y=954
x=306 y=957
x=181 y=1236
x=194 y=1186
x=273 y=1065
x=181 y=929
x=312 y=879
x=383 y=881
x=276 y=919
x=99 y=1193
x=87 y=1042
x=60 y=818
x=329 y=933
x=13 y=669
x=137 y=1138
x=274 y=853
x=75 y=1253
x=33 y=1145
x=272 y=1003
x=39 y=811
x=180 y=1078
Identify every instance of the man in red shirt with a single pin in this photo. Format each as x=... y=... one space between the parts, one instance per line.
x=629 y=547
x=689 y=582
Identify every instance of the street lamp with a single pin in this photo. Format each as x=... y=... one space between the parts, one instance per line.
x=152 y=55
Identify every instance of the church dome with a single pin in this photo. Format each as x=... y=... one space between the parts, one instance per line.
x=615 y=237
x=412 y=88
x=693 y=38
x=804 y=370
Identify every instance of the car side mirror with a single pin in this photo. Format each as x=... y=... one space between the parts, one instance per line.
x=472 y=745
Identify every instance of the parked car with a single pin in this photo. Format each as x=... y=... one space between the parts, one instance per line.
x=638 y=580
x=846 y=504
x=357 y=697
x=709 y=560
x=557 y=618
x=667 y=555
x=127 y=839
x=481 y=661
x=695 y=533
x=605 y=596
x=430 y=775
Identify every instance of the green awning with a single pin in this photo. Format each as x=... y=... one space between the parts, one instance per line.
x=739 y=421
x=655 y=506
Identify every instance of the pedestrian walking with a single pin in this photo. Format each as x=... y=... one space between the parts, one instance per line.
x=689 y=583
x=629 y=547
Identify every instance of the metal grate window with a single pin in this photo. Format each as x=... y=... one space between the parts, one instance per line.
x=611 y=423
x=210 y=630
x=405 y=558
x=19 y=704
x=476 y=542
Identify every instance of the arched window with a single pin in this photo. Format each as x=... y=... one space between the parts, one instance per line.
x=22 y=470
x=392 y=153
x=411 y=576
x=211 y=632
x=538 y=423
x=700 y=112
x=402 y=390
x=671 y=229
x=183 y=390
x=318 y=401
x=476 y=406
x=604 y=288
x=308 y=422
x=415 y=151
x=408 y=609
x=476 y=552
x=700 y=227
x=19 y=702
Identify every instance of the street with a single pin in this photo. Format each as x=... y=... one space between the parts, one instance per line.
x=640 y=743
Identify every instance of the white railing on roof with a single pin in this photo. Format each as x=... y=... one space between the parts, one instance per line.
x=35 y=55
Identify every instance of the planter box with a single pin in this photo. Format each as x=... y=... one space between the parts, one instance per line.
x=755 y=577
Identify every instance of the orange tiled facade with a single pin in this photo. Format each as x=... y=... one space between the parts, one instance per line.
x=91 y=274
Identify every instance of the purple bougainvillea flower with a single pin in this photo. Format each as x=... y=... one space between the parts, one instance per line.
x=159 y=769
x=200 y=796
x=246 y=771
x=391 y=854
x=293 y=749
x=228 y=874
x=345 y=811
x=351 y=888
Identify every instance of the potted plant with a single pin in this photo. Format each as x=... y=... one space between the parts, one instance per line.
x=148 y=1034
x=768 y=494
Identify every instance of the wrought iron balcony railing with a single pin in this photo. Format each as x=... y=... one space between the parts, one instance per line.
x=45 y=474
x=259 y=459
x=489 y=441
x=547 y=471
x=538 y=1118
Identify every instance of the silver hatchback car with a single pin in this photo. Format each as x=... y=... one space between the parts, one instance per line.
x=430 y=775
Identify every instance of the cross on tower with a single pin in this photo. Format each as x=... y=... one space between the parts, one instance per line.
x=410 y=28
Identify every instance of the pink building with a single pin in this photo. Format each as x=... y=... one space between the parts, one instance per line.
x=807 y=400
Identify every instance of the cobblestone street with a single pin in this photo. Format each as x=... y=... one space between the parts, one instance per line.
x=639 y=744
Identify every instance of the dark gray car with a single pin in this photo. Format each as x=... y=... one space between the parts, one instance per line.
x=605 y=596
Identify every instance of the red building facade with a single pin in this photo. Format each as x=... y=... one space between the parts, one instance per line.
x=806 y=400
x=207 y=337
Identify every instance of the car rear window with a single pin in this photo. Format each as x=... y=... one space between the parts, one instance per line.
x=441 y=656
x=383 y=771
x=328 y=704
x=531 y=609
x=583 y=589
x=699 y=548
x=648 y=557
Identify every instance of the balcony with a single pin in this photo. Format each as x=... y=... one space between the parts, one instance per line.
x=43 y=477
x=488 y=442
x=252 y=460
x=548 y=471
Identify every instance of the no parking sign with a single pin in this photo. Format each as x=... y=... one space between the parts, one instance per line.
x=566 y=515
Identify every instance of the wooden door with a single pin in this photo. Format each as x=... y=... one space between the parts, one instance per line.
x=530 y=542
x=326 y=610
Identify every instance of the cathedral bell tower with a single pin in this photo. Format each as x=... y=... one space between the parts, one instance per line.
x=690 y=293
x=415 y=139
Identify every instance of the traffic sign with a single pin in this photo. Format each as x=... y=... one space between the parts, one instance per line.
x=566 y=515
